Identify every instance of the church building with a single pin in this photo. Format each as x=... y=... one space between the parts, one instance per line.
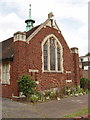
x=40 y=52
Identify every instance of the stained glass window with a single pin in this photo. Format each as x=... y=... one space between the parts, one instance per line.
x=58 y=56
x=52 y=55
x=45 y=56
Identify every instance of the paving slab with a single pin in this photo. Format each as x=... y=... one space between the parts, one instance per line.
x=49 y=109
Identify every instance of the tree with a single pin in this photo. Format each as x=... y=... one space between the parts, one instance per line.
x=88 y=54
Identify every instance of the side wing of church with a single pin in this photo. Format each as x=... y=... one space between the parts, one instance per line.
x=42 y=53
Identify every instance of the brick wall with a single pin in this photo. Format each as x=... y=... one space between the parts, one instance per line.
x=19 y=65
x=86 y=74
x=76 y=68
x=7 y=88
x=34 y=61
x=29 y=56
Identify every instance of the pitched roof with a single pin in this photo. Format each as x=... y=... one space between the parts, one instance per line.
x=7 y=51
x=31 y=31
x=48 y=23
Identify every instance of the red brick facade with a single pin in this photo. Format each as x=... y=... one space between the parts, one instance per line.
x=29 y=56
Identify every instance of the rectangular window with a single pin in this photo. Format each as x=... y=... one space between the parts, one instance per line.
x=5 y=73
x=85 y=67
x=88 y=58
x=81 y=59
x=85 y=59
x=88 y=67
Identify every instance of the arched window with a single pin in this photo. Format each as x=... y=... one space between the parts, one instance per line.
x=52 y=60
x=45 y=50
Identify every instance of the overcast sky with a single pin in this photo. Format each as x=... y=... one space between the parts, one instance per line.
x=70 y=15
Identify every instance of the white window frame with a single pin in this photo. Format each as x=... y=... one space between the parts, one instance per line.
x=85 y=67
x=61 y=55
x=85 y=59
x=3 y=81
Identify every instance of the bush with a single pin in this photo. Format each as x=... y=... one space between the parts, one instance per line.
x=46 y=93
x=62 y=92
x=73 y=90
x=27 y=86
x=34 y=98
x=53 y=95
x=85 y=83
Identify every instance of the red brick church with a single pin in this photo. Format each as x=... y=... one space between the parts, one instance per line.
x=42 y=53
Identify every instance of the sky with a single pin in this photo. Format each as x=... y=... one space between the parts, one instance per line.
x=70 y=15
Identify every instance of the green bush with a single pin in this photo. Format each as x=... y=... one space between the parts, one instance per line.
x=27 y=86
x=34 y=98
x=85 y=83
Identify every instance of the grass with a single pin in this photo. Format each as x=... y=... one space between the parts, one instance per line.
x=78 y=113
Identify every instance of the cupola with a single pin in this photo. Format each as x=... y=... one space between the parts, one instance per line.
x=29 y=21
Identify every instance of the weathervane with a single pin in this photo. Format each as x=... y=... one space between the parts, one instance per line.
x=30 y=11
x=29 y=21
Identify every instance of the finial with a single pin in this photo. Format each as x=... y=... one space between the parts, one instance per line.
x=30 y=12
x=50 y=15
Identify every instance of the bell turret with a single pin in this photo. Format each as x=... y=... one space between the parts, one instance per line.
x=29 y=21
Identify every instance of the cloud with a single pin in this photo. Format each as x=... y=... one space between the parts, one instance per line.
x=10 y=24
x=71 y=17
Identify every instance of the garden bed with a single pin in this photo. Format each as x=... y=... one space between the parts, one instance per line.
x=27 y=86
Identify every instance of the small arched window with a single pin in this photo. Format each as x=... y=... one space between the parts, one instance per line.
x=45 y=50
x=52 y=60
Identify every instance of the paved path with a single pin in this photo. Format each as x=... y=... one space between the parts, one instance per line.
x=50 y=109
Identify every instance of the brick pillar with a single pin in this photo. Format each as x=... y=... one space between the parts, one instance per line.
x=19 y=62
x=76 y=69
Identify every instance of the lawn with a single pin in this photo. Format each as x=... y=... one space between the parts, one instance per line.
x=78 y=113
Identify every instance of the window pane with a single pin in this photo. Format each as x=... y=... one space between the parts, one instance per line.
x=7 y=68
x=3 y=68
x=52 y=54
x=7 y=77
x=58 y=57
x=3 y=77
x=5 y=73
x=45 y=47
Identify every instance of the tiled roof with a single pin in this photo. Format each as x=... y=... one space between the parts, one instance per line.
x=7 y=46
x=31 y=31
x=7 y=49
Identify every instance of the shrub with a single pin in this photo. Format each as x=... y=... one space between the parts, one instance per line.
x=85 y=83
x=27 y=85
x=73 y=90
x=34 y=98
x=81 y=90
x=53 y=95
x=46 y=93
x=38 y=94
x=62 y=92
